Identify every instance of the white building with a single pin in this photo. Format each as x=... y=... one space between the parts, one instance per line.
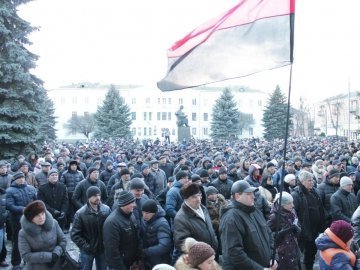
x=153 y=111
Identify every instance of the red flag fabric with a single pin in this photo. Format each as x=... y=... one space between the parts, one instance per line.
x=253 y=36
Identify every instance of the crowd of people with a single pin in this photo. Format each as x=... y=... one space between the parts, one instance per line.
x=130 y=204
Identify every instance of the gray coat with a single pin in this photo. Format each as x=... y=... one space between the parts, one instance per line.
x=37 y=243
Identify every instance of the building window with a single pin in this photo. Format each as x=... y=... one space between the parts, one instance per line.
x=147 y=100
x=74 y=100
x=144 y=116
x=150 y=131
x=139 y=131
x=158 y=101
x=259 y=102
x=73 y=116
x=164 y=101
x=180 y=101
x=86 y=100
x=155 y=130
x=163 y=115
x=144 y=131
x=150 y=116
x=206 y=117
x=193 y=131
x=251 y=131
x=205 y=131
x=158 y=116
x=133 y=131
x=169 y=115
x=133 y=115
x=133 y=101
x=62 y=100
x=169 y=100
x=193 y=116
x=193 y=101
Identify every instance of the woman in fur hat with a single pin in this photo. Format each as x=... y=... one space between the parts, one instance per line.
x=41 y=241
x=197 y=255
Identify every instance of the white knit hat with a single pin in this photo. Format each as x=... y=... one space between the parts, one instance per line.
x=289 y=177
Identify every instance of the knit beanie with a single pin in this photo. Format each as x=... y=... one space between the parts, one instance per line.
x=289 y=177
x=149 y=206
x=204 y=173
x=125 y=198
x=286 y=198
x=33 y=209
x=342 y=229
x=345 y=181
x=211 y=190
x=18 y=175
x=137 y=183
x=199 y=253
x=92 y=191
x=91 y=169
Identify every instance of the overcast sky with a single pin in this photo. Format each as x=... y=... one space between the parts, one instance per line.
x=125 y=42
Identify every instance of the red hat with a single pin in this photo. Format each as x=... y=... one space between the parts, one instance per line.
x=342 y=229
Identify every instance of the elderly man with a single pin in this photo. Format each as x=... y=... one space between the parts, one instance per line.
x=245 y=237
x=343 y=202
x=310 y=211
x=193 y=220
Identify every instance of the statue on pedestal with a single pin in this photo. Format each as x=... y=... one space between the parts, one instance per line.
x=181 y=118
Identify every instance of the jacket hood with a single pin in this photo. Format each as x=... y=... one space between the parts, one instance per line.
x=324 y=242
x=32 y=229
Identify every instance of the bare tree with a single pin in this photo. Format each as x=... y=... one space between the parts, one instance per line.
x=334 y=109
x=80 y=124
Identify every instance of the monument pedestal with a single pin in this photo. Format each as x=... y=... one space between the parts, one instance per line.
x=183 y=133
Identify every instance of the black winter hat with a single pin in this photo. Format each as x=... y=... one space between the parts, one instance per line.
x=195 y=177
x=204 y=173
x=181 y=174
x=91 y=169
x=124 y=171
x=149 y=206
x=137 y=183
x=92 y=191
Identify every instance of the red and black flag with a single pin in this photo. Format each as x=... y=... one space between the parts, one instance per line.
x=253 y=36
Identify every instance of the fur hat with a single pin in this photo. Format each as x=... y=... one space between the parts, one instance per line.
x=199 y=252
x=33 y=209
x=125 y=198
x=190 y=190
x=342 y=229
x=149 y=206
x=92 y=191
x=333 y=173
x=124 y=171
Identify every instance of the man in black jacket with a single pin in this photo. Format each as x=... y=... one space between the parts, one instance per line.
x=245 y=237
x=121 y=234
x=87 y=229
x=55 y=197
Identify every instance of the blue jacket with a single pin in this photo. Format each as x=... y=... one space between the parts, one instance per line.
x=17 y=197
x=339 y=260
x=157 y=238
x=173 y=200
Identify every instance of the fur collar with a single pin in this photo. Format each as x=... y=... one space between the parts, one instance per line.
x=32 y=229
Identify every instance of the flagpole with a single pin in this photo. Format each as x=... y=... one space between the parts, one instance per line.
x=283 y=166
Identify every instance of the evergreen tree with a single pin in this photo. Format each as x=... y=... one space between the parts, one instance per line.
x=112 y=119
x=274 y=117
x=225 y=117
x=22 y=97
x=47 y=122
